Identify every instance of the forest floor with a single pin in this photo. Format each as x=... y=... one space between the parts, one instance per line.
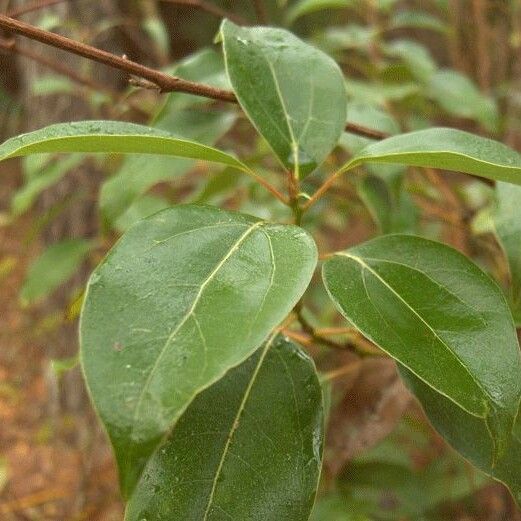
x=54 y=462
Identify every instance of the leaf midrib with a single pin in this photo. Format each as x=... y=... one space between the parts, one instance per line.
x=187 y=315
x=235 y=424
x=386 y=284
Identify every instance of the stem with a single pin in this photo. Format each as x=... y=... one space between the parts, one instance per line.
x=314 y=335
x=293 y=199
x=341 y=371
x=322 y=190
x=362 y=131
x=281 y=197
x=165 y=82
x=61 y=68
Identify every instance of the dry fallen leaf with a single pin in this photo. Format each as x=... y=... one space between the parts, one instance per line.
x=369 y=410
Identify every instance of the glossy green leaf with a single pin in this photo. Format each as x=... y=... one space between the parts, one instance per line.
x=52 y=268
x=248 y=447
x=440 y=316
x=303 y=7
x=470 y=435
x=184 y=296
x=111 y=137
x=445 y=148
x=372 y=117
x=302 y=125
x=459 y=96
x=507 y=224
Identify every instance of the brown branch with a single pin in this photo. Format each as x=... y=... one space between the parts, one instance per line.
x=370 y=133
x=209 y=8
x=359 y=348
x=34 y=6
x=164 y=82
x=59 y=67
x=62 y=69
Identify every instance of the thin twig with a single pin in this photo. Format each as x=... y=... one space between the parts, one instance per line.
x=164 y=82
x=34 y=6
x=333 y=331
x=310 y=330
x=64 y=70
x=59 y=67
x=322 y=190
x=362 y=131
x=341 y=371
x=209 y=8
x=122 y=61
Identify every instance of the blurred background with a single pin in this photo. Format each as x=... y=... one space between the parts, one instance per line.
x=409 y=64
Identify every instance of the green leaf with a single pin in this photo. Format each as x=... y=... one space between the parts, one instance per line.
x=417 y=58
x=372 y=117
x=440 y=316
x=415 y=491
x=204 y=66
x=379 y=93
x=391 y=212
x=302 y=125
x=458 y=95
x=52 y=84
x=111 y=137
x=417 y=19
x=47 y=175
x=184 y=296
x=139 y=173
x=248 y=447
x=507 y=224
x=303 y=7
x=350 y=36
x=470 y=435
x=337 y=507
x=183 y=115
x=157 y=31
x=378 y=199
x=447 y=149
x=52 y=268
x=139 y=209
